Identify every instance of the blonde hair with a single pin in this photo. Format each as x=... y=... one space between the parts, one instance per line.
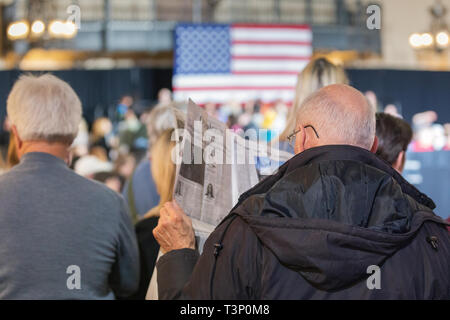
x=2 y=164
x=12 y=158
x=163 y=169
x=317 y=74
x=100 y=128
x=44 y=108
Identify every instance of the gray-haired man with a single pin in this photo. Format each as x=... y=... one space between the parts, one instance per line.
x=61 y=236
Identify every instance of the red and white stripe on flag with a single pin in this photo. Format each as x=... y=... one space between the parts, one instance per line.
x=264 y=63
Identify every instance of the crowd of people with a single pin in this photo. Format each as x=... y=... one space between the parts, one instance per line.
x=310 y=230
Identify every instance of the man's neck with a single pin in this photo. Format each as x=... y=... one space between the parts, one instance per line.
x=59 y=150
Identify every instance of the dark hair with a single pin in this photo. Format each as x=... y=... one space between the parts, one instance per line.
x=394 y=135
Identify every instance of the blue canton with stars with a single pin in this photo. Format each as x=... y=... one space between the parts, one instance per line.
x=202 y=49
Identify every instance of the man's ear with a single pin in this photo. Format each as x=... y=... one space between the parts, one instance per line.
x=374 y=147
x=300 y=143
x=399 y=162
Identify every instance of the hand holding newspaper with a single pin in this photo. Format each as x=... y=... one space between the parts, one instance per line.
x=217 y=166
x=214 y=166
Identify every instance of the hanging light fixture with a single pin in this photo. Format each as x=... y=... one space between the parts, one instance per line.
x=438 y=38
x=37 y=28
x=442 y=39
x=34 y=27
x=18 y=30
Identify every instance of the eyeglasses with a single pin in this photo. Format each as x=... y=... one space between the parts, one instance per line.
x=293 y=134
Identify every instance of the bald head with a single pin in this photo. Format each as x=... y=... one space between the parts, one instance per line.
x=341 y=115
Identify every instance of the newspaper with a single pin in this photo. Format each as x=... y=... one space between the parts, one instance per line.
x=214 y=167
x=217 y=166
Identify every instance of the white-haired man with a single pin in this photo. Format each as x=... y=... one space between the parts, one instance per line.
x=61 y=236
x=335 y=222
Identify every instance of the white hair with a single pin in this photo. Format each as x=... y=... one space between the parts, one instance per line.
x=44 y=108
x=162 y=118
x=343 y=118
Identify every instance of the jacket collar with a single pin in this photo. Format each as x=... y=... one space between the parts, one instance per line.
x=43 y=158
x=341 y=152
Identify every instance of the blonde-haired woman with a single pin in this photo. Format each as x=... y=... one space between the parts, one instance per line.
x=140 y=190
x=318 y=73
x=163 y=172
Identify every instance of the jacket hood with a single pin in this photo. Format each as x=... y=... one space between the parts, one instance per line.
x=331 y=212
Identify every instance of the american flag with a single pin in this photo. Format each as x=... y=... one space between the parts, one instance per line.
x=238 y=62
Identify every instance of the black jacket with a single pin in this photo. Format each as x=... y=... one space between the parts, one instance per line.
x=148 y=252
x=313 y=230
